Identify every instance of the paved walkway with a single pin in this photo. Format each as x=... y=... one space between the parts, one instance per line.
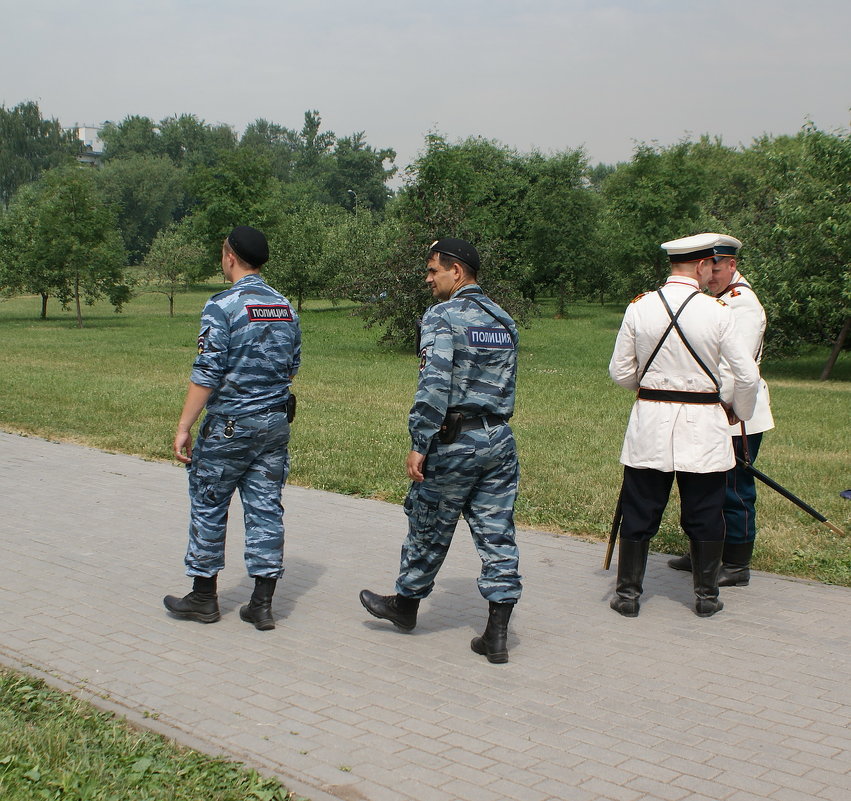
x=753 y=703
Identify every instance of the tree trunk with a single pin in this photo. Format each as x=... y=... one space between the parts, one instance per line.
x=298 y=302
x=44 y=297
x=837 y=348
x=77 y=301
x=171 y=305
x=562 y=294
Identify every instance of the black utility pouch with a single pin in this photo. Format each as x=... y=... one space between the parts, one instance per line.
x=451 y=427
x=291 y=403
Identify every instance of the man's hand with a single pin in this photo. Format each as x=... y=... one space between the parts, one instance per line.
x=183 y=442
x=196 y=399
x=414 y=465
x=731 y=415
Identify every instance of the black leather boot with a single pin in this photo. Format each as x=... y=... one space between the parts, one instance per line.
x=398 y=609
x=706 y=561
x=494 y=641
x=632 y=562
x=259 y=609
x=681 y=562
x=735 y=564
x=202 y=604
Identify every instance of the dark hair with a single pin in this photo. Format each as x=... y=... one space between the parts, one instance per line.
x=446 y=261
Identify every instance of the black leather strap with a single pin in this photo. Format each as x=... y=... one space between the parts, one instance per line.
x=479 y=422
x=673 y=396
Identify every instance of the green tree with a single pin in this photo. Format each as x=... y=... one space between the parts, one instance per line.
x=475 y=190
x=62 y=240
x=30 y=144
x=173 y=263
x=798 y=243
x=356 y=245
x=313 y=150
x=134 y=135
x=562 y=217
x=147 y=193
x=359 y=178
x=185 y=139
x=297 y=253
x=656 y=197
x=238 y=189
x=315 y=166
x=276 y=143
x=21 y=270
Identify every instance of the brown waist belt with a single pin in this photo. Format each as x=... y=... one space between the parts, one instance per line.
x=672 y=396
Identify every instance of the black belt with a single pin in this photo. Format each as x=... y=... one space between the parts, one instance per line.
x=479 y=422
x=671 y=396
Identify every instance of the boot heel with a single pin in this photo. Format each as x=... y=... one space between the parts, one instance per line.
x=259 y=609
x=494 y=641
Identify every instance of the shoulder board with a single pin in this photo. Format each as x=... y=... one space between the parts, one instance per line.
x=718 y=300
x=639 y=297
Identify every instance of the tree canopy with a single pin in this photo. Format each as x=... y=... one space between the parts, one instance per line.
x=30 y=144
x=546 y=224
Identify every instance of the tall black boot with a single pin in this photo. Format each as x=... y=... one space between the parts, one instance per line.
x=400 y=610
x=706 y=562
x=681 y=562
x=735 y=564
x=259 y=609
x=202 y=604
x=494 y=641
x=632 y=562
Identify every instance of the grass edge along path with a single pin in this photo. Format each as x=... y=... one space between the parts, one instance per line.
x=56 y=745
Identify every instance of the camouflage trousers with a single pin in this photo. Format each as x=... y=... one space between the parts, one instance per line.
x=475 y=476
x=255 y=461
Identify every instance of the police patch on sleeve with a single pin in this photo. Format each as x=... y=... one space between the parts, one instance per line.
x=202 y=340
x=270 y=313
x=482 y=337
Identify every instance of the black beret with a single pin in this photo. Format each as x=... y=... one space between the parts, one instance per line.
x=459 y=249
x=249 y=244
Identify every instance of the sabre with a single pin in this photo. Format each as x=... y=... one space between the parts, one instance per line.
x=789 y=496
x=613 y=534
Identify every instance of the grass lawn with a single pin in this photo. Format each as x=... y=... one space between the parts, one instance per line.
x=118 y=384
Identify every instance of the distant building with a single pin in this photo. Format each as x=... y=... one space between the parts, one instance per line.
x=92 y=147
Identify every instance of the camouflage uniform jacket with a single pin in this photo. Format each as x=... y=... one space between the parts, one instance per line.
x=468 y=363
x=249 y=349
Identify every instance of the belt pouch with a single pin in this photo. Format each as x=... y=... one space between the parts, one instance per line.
x=451 y=427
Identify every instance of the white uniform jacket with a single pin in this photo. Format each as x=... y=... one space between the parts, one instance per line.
x=665 y=436
x=750 y=327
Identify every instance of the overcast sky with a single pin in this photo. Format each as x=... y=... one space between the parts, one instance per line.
x=545 y=74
